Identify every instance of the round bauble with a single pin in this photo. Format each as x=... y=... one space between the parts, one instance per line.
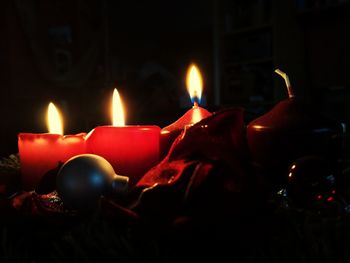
x=83 y=179
x=311 y=182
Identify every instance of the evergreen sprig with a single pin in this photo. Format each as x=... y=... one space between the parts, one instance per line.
x=10 y=164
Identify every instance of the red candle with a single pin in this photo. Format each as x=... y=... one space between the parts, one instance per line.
x=291 y=130
x=194 y=85
x=39 y=153
x=132 y=150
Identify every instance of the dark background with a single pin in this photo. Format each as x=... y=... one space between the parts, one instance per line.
x=74 y=52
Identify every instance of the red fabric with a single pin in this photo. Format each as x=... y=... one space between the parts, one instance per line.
x=219 y=137
x=204 y=168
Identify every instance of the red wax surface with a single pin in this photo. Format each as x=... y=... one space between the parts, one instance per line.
x=290 y=130
x=40 y=153
x=170 y=133
x=132 y=150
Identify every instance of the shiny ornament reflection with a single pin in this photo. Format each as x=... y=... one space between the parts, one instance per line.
x=312 y=185
x=83 y=179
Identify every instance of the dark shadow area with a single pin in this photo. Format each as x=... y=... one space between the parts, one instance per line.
x=75 y=52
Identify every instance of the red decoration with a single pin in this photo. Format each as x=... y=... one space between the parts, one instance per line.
x=170 y=132
x=132 y=150
x=194 y=84
x=40 y=153
x=206 y=164
x=289 y=131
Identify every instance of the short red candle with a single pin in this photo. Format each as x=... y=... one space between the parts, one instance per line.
x=170 y=132
x=39 y=153
x=192 y=116
x=132 y=150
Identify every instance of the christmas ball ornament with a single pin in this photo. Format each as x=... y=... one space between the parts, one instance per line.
x=311 y=182
x=83 y=179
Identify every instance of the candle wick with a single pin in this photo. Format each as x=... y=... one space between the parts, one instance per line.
x=195 y=104
x=286 y=80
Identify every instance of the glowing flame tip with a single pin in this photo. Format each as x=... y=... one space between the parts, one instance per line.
x=117 y=110
x=54 y=121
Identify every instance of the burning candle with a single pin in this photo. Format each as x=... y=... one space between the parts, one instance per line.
x=132 y=150
x=194 y=85
x=40 y=153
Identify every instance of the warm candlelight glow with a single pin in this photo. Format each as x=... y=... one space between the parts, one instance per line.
x=197 y=116
x=131 y=149
x=194 y=83
x=54 y=121
x=117 y=110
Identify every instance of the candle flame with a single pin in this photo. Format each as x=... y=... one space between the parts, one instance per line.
x=194 y=83
x=117 y=110
x=54 y=121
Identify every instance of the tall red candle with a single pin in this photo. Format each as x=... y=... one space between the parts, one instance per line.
x=39 y=153
x=194 y=85
x=132 y=150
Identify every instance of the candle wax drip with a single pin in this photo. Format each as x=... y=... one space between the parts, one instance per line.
x=170 y=133
x=191 y=117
